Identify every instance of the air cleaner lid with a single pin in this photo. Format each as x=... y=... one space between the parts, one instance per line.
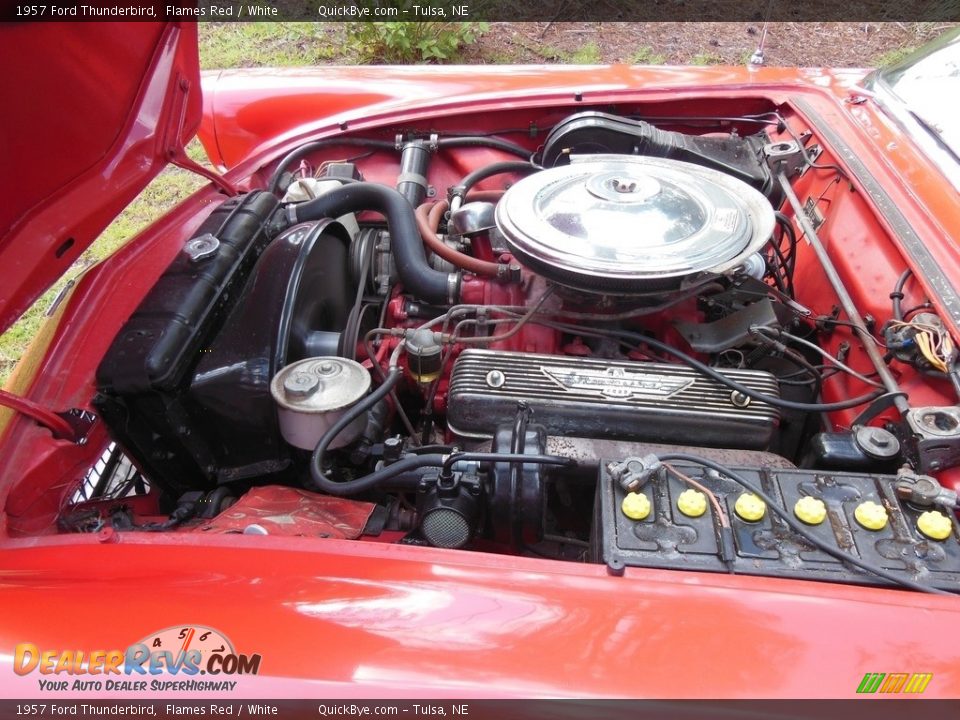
x=631 y=223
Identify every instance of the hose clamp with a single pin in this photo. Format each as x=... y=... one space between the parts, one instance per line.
x=411 y=177
x=453 y=288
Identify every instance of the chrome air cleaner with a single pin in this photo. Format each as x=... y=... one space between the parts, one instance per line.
x=632 y=224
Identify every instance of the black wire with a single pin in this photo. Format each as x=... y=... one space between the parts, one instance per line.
x=797 y=358
x=495 y=457
x=796 y=383
x=784 y=284
x=485 y=141
x=316 y=460
x=803 y=151
x=785 y=261
x=797 y=526
x=826 y=372
x=307 y=148
x=445 y=449
x=916 y=308
x=563 y=540
x=787 y=227
x=897 y=295
x=827 y=320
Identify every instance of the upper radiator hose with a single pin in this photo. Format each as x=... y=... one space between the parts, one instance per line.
x=427 y=284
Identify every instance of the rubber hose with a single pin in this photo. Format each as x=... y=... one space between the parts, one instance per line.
x=415 y=272
x=428 y=217
x=481 y=141
x=316 y=460
x=487 y=171
x=428 y=221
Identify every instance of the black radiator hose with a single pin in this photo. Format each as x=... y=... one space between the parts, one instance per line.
x=421 y=280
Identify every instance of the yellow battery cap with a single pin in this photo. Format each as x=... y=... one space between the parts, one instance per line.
x=749 y=507
x=810 y=510
x=692 y=503
x=636 y=506
x=871 y=515
x=935 y=525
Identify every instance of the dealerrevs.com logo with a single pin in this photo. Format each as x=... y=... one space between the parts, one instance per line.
x=170 y=660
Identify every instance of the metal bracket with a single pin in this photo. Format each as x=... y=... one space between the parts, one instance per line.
x=785 y=156
x=934 y=436
x=731 y=331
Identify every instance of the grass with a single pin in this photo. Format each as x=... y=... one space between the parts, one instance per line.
x=892 y=57
x=706 y=58
x=259 y=44
x=647 y=56
x=549 y=53
x=498 y=57
x=586 y=54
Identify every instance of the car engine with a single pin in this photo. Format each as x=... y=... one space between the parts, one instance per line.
x=590 y=347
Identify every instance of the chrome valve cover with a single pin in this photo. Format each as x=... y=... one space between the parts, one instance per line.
x=585 y=397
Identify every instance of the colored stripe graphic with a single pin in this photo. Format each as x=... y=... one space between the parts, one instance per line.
x=870 y=682
x=918 y=682
x=889 y=683
x=893 y=683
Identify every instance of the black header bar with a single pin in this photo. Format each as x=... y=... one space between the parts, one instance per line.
x=484 y=10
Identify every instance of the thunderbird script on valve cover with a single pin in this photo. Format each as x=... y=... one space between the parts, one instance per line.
x=486 y=346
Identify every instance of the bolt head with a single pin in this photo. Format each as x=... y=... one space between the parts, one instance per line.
x=496 y=379
x=300 y=384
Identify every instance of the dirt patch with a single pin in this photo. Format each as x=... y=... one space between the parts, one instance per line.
x=787 y=44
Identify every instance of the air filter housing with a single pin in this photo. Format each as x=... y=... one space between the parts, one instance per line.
x=632 y=224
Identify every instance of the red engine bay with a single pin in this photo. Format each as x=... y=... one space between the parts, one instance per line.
x=673 y=334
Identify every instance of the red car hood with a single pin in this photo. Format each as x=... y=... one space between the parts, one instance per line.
x=96 y=110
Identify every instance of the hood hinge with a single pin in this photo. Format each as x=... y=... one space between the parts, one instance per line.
x=174 y=150
x=180 y=158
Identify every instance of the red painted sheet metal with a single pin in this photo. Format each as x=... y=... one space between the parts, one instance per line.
x=98 y=108
x=364 y=618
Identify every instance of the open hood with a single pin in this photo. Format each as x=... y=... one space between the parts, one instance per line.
x=94 y=112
